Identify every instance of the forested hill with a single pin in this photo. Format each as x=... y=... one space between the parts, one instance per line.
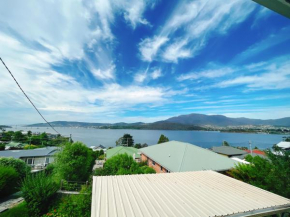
x=220 y=120
x=182 y=122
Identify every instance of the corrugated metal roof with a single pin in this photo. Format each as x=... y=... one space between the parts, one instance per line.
x=200 y=193
x=122 y=150
x=180 y=157
x=29 y=153
x=227 y=150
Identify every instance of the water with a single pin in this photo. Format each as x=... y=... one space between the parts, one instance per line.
x=93 y=137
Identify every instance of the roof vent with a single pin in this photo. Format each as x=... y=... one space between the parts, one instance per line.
x=169 y=155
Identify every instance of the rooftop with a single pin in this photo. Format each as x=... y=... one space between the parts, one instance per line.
x=228 y=150
x=200 y=193
x=29 y=153
x=284 y=145
x=180 y=157
x=122 y=150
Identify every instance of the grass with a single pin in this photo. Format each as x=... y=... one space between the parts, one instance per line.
x=19 y=210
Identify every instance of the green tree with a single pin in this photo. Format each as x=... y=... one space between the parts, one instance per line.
x=225 y=143
x=126 y=140
x=138 y=145
x=122 y=164
x=7 y=136
x=162 y=139
x=271 y=174
x=18 y=136
x=29 y=133
x=74 y=162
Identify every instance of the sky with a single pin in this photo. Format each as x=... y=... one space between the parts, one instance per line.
x=109 y=61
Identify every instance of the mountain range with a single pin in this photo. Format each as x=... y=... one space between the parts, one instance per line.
x=183 y=122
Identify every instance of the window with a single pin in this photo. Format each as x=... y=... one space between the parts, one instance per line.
x=167 y=171
x=161 y=168
x=29 y=161
x=153 y=162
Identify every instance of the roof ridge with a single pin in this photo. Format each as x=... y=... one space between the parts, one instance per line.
x=182 y=159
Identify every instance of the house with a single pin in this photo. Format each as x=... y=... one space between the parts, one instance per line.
x=284 y=145
x=14 y=145
x=39 y=157
x=177 y=156
x=228 y=151
x=198 y=193
x=98 y=148
x=133 y=152
x=256 y=151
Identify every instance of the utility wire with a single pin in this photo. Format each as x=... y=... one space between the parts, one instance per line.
x=27 y=96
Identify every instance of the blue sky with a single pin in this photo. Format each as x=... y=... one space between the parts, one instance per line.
x=138 y=60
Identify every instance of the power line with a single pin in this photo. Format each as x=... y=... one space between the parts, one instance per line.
x=27 y=96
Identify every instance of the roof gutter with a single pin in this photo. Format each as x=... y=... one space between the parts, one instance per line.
x=264 y=212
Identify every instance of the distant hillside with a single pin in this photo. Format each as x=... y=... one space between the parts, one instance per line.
x=182 y=122
x=220 y=120
x=160 y=125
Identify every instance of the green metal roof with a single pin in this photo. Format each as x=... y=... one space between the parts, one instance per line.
x=180 y=157
x=121 y=150
x=15 y=144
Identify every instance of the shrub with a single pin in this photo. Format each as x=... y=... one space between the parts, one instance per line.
x=8 y=180
x=20 y=166
x=2 y=147
x=30 y=147
x=74 y=162
x=101 y=157
x=271 y=174
x=38 y=191
x=122 y=164
x=73 y=205
x=147 y=170
x=50 y=169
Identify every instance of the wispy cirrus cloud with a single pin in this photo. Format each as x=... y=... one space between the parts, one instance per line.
x=196 y=20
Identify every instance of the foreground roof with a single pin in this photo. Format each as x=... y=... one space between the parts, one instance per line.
x=180 y=157
x=122 y=150
x=200 y=193
x=47 y=151
x=228 y=150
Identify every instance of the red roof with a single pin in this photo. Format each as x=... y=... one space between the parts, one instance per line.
x=256 y=151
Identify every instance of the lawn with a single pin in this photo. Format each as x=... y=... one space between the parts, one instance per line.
x=19 y=210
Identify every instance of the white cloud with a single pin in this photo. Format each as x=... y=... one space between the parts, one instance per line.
x=109 y=73
x=156 y=74
x=149 y=47
x=213 y=73
x=140 y=77
x=176 y=51
x=196 y=21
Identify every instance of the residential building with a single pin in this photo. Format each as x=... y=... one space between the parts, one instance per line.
x=39 y=157
x=199 y=193
x=284 y=145
x=177 y=156
x=14 y=145
x=228 y=151
x=133 y=152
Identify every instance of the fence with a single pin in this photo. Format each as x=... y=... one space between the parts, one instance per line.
x=71 y=186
